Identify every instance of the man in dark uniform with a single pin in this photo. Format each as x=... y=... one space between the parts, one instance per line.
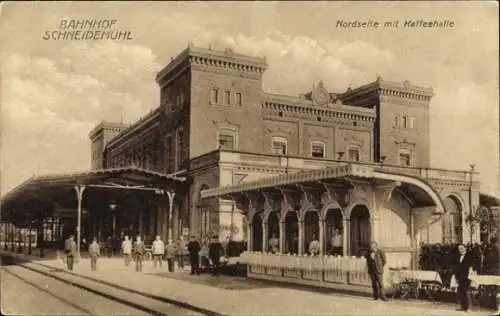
x=214 y=253
x=139 y=249
x=194 y=248
x=70 y=251
x=464 y=264
x=376 y=260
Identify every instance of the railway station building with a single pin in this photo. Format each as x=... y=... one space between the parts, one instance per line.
x=220 y=156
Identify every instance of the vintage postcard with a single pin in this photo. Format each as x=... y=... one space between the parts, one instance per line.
x=249 y=158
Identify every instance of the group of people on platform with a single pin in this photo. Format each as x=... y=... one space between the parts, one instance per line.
x=464 y=263
x=171 y=252
x=335 y=245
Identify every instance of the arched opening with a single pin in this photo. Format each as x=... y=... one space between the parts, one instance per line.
x=257 y=233
x=291 y=233
x=452 y=220
x=311 y=229
x=334 y=231
x=360 y=231
x=273 y=228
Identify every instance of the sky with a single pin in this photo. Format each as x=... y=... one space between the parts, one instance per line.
x=53 y=92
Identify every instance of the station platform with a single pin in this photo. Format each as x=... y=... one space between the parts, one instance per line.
x=226 y=295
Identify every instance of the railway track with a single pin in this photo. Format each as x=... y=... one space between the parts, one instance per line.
x=90 y=297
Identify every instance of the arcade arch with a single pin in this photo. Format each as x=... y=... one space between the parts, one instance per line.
x=360 y=230
x=452 y=221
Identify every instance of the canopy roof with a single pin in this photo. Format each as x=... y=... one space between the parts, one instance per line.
x=420 y=191
x=47 y=189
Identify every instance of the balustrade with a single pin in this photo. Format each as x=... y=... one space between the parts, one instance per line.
x=329 y=269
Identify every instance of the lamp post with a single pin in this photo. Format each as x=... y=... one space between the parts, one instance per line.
x=112 y=207
x=471 y=210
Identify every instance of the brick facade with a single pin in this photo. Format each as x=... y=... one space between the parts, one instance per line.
x=214 y=100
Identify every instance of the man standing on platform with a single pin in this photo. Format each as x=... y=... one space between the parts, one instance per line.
x=376 y=261
x=181 y=249
x=70 y=250
x=158 y=251
x=139 y=249
x=214 y=253
x=194 y=248
x=127 y=250
x=170 y=251
x=464 y=265
x=94 y=252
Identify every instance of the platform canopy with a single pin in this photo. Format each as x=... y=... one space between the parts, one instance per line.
x=43 y=191
x=418 y=189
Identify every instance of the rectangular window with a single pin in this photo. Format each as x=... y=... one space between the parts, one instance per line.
x=279 y=147
x=228 y=97
x=226 y=141
x=170 y=154
x=214 y=98
x=180 y=148
x=318 y=150
x=238 y=98
x=353 y=154
x=396 y=121
x=405 y=121
x=404 y=160
x=411 y=122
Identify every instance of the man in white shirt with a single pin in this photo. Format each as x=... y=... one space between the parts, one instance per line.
x=274 y=244
x=158 y=251
x=127 y=250
x=337 y=242
x=314 y=246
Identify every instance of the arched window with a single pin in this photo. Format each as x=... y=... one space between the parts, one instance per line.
x=452 y=221
x=318 y=149
x=279 y=146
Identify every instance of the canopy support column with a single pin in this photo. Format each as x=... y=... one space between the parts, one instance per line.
x=79 y=195
x=282 y=236
x=12 y=238
x=171 y=195
x=346 y=238
x=301 y=237
x=321 y=236
x=29 y=239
